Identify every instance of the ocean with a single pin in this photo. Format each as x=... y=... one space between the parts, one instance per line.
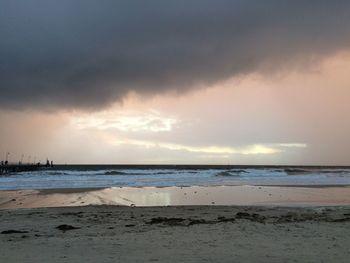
x=96 y=176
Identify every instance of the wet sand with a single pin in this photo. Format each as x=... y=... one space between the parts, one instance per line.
x=178 y=196
x=175 y=234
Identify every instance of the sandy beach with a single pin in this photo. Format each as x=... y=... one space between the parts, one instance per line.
x=175 y=234
x=174 y=224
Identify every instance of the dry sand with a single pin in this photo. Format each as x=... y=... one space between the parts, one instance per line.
x=175 y=234
x=216 y=231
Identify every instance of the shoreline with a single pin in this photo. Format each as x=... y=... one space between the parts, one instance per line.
x=301 y=196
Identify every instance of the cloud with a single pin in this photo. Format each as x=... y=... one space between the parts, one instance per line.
x=149 y=121
x=256 y=149
x=86 y=54
x=294 y=145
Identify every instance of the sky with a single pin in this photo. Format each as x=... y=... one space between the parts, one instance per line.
x=175 y=82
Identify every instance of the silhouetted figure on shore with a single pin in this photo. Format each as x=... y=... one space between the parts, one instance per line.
x=51 y=163
x=2 y=162
x=6 y=162
x=47 y=163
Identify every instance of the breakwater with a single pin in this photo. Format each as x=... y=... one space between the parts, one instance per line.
x=15 y=168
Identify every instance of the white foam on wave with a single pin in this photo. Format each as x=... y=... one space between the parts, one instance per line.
x=85 y=178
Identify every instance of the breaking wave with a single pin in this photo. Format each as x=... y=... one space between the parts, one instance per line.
x=299 y=171
x=116 y=173
x=231 y=173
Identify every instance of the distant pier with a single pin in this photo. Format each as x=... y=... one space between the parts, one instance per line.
x=15 y=168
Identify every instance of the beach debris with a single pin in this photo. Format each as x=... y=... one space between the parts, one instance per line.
x=226 y=219
x=11 y=231
x=165 y=220
x=191 y=222
x=72 y=213
x=252 y=217
x=289 y=217
x=338 y=220
x=173 y=221
x=65 y=227
x=242 y=215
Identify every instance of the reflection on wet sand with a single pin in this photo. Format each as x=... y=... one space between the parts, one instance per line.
x=178 y=196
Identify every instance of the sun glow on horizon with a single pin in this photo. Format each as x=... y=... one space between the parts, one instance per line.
x=255 y=149
x=116 y=126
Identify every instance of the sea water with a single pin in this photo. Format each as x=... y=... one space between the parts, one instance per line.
x=118 y=176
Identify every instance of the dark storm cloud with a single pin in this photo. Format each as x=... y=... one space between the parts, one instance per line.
x=86 y=54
